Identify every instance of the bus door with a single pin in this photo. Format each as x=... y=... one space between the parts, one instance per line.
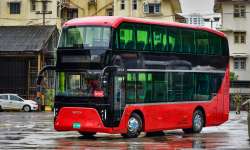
x=119 y=96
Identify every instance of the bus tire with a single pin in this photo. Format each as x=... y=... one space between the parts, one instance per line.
x=134 y=126
x=197 y=122
x=87 y=134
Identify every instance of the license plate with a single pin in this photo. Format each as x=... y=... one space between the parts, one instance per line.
x=76 y=125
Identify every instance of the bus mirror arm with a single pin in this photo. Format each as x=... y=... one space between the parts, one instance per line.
x=40 y=74
x=106 y=71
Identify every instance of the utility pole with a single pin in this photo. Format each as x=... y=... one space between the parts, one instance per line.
x=44 y=10
x=212 y=22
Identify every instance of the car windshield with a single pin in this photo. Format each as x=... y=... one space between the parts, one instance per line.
x=85 y=37
x=76 y=84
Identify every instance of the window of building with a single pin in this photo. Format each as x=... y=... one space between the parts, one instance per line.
x=122 y=4
x=134 y=4
x=152 y=8
x=15 y=7
x=240 y=63
x=72 y=13
x=33 y=5
x=109 y=12
x=239 y=37
x=239 y=11
x=44 y=6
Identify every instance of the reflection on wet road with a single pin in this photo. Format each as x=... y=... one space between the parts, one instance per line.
x=20 y=130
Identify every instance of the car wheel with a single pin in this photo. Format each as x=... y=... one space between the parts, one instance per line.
x=134 y=126
x=87 y=134
x=197 y=122
x=26 y=108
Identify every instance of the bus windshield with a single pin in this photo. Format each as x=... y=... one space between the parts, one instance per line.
x=77 y=84
x=85 y=37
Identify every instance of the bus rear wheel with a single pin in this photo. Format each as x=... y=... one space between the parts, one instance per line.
x=197 y=122
x=134 y=126
x=87 y=134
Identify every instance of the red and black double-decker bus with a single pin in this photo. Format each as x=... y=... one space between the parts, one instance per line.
x=129 y=75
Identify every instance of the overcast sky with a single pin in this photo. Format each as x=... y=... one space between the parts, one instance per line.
x=197 y=6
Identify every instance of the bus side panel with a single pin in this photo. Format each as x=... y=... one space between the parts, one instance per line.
x=226 y=86
x=223 y=100
x=159 y=117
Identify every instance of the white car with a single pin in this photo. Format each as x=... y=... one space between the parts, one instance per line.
x=13 y=101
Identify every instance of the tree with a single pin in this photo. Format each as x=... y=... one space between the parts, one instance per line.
x=233 y=76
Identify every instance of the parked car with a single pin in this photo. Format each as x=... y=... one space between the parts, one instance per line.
x=13 y=101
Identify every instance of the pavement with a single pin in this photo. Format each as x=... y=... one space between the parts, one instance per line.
x=19 y=130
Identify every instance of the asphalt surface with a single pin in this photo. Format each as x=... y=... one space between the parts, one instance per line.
x=19 y=130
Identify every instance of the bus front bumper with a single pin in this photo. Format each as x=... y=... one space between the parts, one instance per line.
x=80 y=119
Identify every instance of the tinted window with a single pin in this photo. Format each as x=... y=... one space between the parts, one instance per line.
x=224 y=46
x=15 y=98
x=188 y=42
x=126 y=36
x=171 y=87
x=85 y=37
x=159 y=38
x=131 y=87
x=201 y=40
x=174 y=40
x=202 y=91
x=143 y=37
x=215 y=45
x=4 y=97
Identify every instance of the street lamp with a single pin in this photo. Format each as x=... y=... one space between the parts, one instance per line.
x=211 y=21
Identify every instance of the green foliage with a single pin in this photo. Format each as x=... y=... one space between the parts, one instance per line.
x=233 y=76
x=49 y=97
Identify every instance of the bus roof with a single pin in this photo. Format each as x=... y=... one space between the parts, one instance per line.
x=115 y=21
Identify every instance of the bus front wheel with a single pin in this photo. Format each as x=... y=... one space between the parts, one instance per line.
x=197 y=122
x=134 y=126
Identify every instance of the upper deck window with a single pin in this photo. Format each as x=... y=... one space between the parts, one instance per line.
x=145 y=37
x=85 y=37
x=127 y=36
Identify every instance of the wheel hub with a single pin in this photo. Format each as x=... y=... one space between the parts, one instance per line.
x=197 y=121
x=133 y=125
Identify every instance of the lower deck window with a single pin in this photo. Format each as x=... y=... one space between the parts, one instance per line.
x=171 y=87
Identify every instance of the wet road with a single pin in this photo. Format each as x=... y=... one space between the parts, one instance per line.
x=20 y=130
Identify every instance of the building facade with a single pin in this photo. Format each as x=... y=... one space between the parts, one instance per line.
x=29 y=12
x=165 y=10
x=78 y=8
x=212 y=20
x=195 y=19
x=208 y=20
x=236 y=25
x=28 y=38
x=24 y=50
